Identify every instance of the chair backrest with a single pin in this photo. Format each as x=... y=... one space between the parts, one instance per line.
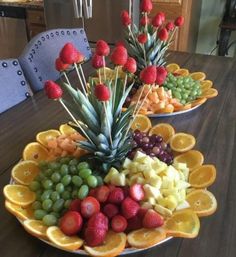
x=38 y=57
x=13 y=85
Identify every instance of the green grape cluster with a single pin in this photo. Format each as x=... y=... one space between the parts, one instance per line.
x=57 y=184
x=183 y=88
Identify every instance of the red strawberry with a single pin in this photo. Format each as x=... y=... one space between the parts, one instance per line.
x=75 y=205
x=71 y=223
x=163 y=16
x=102 y=194
x=146 y=5
x=161 y=75
x=148 y=75
x=102 y=48
x=163 y=34
x=120 y=43
x=60 y=65
x=142 y=38
x=93 y=192
x=142 y=212
x=144 y=21
x=116 y=196
x=89 y=206
x=126 y=191
x=157 y=20
x=179 y=21
x=129 y=208
x=102 y=92
x=110 y=210
x=118 y=223
x=111 y=187
x=97 y=61
x=94 y=236
x=152 y=219
x=52 y=90
x=134 y=223
x=136 y=192
x=119 y=55
x=98 y=220
x=69 y=54
x=170 y=26
x=125 y=18
x=130 y=66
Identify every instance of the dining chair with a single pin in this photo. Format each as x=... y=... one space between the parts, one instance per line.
x=13 y=85
x=38 y=57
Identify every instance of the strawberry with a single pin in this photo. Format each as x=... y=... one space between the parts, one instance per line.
x=52 y=90
x=130 y=66
x=98 y=220
x=97 y=61
x=71 y=223
x=152 y=219
x=102 y=92
x=93 y=192
x=144 y=21
x=126 y=191
x=69 y=54
x=118 y=223
x=161 y=75
x=102 y=48
x=129 y=208
x=146 y=5
x=119 y=55
x=179 y=21
x=120 y=43
x=89 y=206
x=134 y=223
x=148 y=75
x=157 y=21
x=141 y=213
x=163 y=16
x=102 y=193
x=116 y=196
x=170 y=26
x=60 y=65
x=125 y=18
x=136 y=192
x=75 y=205
x=142 y=38
x=163 y=34
x=110 y=210
x=94 y=236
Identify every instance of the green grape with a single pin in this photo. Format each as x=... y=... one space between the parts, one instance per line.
x=43 y=165
x=73 y=162
x=46 y=194
x=64 y=169
x=54 y=166
x=67 y=203
x=100 y=180
x=47 y=204
x=59 y=188
x=48 y=172
x=184 y=96
x=49 y=220
x=84 y=173
x=92 y=181
x=65 y=195
x=83 y=192
x=82 y=165
x=183 y=102
x=177 y=95
x=41 y=177
x=73 y=169
x=74 y=194
x=38 y=194
x=56 y=177
x=58 y=205
x=36 y=205
x=55 y=196
x=47 y=184
x=34 y=186
x=77 y=181
x=56 y=214
x=39 y=214
x=69 y=188
x=66 y=180
x=65 y=160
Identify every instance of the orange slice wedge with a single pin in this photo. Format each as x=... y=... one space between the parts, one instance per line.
x=35 y=151
x=203 y=176
x=65 y=129
x=18 y=194
x=183 y=107
x=62 y=241
x=142 y=123
x=143 y=238
x=18 y=211
x=182 y=72
x=206 y=84
x=36 y=228
x=192 y=158
x=184 y=223
x=165 y=130
x=202 y=202
x=200 y=76
x=198 y=101
x=24 y=172
x=209 y=93
x=182 y=142
x=172 y=67
x=114 y=244
x=44 y=136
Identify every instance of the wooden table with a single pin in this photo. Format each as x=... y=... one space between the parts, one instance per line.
x=214 y=126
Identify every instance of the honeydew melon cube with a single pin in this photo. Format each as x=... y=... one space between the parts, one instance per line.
x=118 y=179
x=126 y=163
x=152 y=201
x=155 y=181
x=110 y=174
x=148 y=174
x=162 y=210
x=167 y=183
x=151 y=191
x=146 y=205
x=139 y=156
x=183 y=205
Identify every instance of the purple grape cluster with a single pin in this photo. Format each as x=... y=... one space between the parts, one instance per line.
x=153 y=145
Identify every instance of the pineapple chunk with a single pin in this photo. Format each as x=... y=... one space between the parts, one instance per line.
x=110 y=174
x=125 y=171
x=167 y=183
x=148 y=174
x=181 y=184
x=170 y=202
x=118 y=179
x=159 y=167
x=126 y=163
x=155 y=181
x=171 y=172
x=152 y=201
x=151 y=191
x=146 y=205
x=144 y=167
x=167 y=192
x=180 y=165
x=182 y=205
x=162 y=210
x=136 y=177
x=139 y=157
x=133 y=167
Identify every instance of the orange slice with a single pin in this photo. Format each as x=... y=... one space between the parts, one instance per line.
x=35 y=151
x=114 y=244
x=182 y=72
x=65 y=129
x=202 y=202
x=18 y=211
x=142 y=123
x=36 y=228
x=18 y=194
x=182 y=142
x=192 y=158
x=206 y=84
x=24 y=172
x=165 y=130
x=184 y=223
x=198 y=101
x=183 y=107
x=44 y=136
x=143 y=238
x=203 y=176
x=200 y=76
x=70 y=243
x=209 y=93
x=172 y=67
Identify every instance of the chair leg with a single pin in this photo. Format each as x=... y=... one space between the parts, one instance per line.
x=224 y=41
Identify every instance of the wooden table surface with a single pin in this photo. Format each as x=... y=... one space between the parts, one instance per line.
x=213 y=125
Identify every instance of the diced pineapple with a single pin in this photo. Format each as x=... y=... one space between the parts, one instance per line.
x=189 y=190
x=126 y=163
x=139 y=156
x=159 y=167
x=133 y=167
x=180 y=165
x=151 y=191
x=155 y=181
x=148 y=160
x=171 y=172
x=152 y=201
x=134 y=178
x=169 y=202
x=110 y=174
x=181 y=175
x=141 y=181
x=182 y=195
x=125 y=171
x=146 y=205
x=186 y=173
x=180 y=184
x=162 y=210
x=171 y=191
x=167 y=183
x=182 y=205
x=148 y=174
x=118 y=179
